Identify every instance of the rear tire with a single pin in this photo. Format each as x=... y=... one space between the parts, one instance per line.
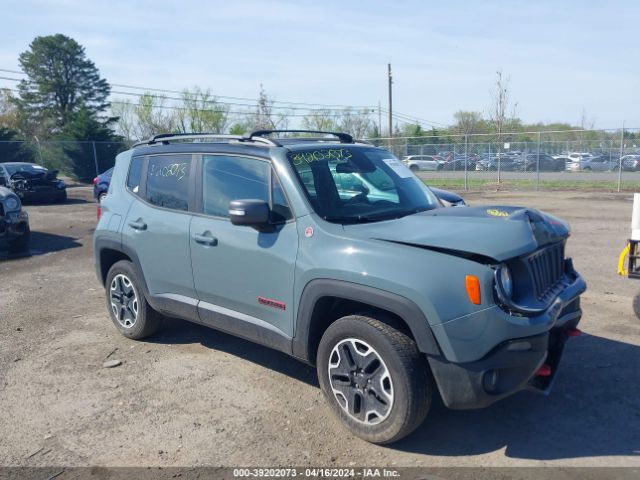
x=414 y=168
x=128 y=308
x=374 y=378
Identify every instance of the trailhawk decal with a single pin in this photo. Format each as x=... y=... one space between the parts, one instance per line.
x=268 y=302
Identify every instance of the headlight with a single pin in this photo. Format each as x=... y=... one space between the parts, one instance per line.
x=506 y=281
x=61 y=184
x=11 y=204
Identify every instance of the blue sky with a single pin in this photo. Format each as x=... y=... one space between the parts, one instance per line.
x=562 y=57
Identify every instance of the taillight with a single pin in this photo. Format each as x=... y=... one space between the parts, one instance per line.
x=99 y=212
x=95 y=180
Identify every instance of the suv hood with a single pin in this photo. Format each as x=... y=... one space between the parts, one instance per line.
x=493 y=232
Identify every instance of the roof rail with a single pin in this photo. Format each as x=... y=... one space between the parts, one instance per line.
x=164 y=138
x=343 y=137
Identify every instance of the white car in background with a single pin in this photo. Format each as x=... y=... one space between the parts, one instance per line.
x=423 y=162
x=574 y=156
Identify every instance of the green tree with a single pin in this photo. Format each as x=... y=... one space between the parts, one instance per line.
x=264 y=118
x=200 y=112
x=60 y=81
x=85 y=131
x=238 y=129
x=321 y=119
x=468 y=123
x=13 y=150
x=152 y=118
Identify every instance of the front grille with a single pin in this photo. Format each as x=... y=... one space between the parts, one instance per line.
x=547 y=268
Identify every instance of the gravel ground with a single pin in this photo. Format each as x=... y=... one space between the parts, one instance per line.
x=194 y=396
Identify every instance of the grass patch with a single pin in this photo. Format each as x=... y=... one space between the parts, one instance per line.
x=530 y=184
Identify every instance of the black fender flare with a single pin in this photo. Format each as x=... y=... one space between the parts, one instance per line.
x=164 y=305
x=404 y=308
x=102 y=244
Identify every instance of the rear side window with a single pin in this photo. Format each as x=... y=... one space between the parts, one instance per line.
x=168 y=181
x=135 y=174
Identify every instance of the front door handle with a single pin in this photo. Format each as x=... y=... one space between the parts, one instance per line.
x=206 y=239
x=138 y=225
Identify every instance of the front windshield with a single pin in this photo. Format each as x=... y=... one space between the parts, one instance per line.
x=29 y=168
x=353 y=185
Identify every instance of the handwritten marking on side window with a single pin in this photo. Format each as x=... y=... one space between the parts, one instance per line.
x=177 y=170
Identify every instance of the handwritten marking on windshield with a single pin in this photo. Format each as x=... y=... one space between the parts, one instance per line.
x=313 y=156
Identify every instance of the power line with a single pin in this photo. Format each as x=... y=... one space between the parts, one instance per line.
x=233 y=104
x=245 y=112
x=317 y=106
x=411 y=118
x=253 y=100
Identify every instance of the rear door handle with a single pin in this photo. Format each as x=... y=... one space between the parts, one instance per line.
x=206 y=239
x=138 y=225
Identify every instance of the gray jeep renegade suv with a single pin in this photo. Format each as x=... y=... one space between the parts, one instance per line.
x=332 y=251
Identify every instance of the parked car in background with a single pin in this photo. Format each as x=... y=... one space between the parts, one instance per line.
x=575 y=156
x=448 y=198
x=423 y=162
x=32 y=182
x=507 y=163
x=531 y=162
x=101 y=184
x=631 y=163
x=595 y=164
x=458 y=162
x=14 y=223
x=445 y=155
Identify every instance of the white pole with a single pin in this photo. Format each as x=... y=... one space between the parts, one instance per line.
x=635 y=218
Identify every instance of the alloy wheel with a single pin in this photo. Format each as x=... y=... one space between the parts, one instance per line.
x=360 y=381
x=124 y=300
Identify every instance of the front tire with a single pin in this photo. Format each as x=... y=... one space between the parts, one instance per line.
x=128 y=308
x=374 y=378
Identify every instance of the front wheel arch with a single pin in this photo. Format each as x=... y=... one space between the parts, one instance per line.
x=324 y=301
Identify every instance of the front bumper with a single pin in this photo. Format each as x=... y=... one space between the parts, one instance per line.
x=36 y=195
x=14 y=225
x=524 y=344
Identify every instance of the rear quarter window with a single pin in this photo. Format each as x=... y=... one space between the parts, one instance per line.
x=167 y=182
x=135 y=174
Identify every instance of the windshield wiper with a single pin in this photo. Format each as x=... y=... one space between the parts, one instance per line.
x=373 y=218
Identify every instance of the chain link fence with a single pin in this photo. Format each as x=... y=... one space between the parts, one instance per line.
x=606 y=160
x=81 y=160
x=580 y=159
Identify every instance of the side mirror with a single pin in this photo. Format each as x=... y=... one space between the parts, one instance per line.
x=250 y=213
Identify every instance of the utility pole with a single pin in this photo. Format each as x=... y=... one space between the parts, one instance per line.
x=379 y=119
x=390 y=101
